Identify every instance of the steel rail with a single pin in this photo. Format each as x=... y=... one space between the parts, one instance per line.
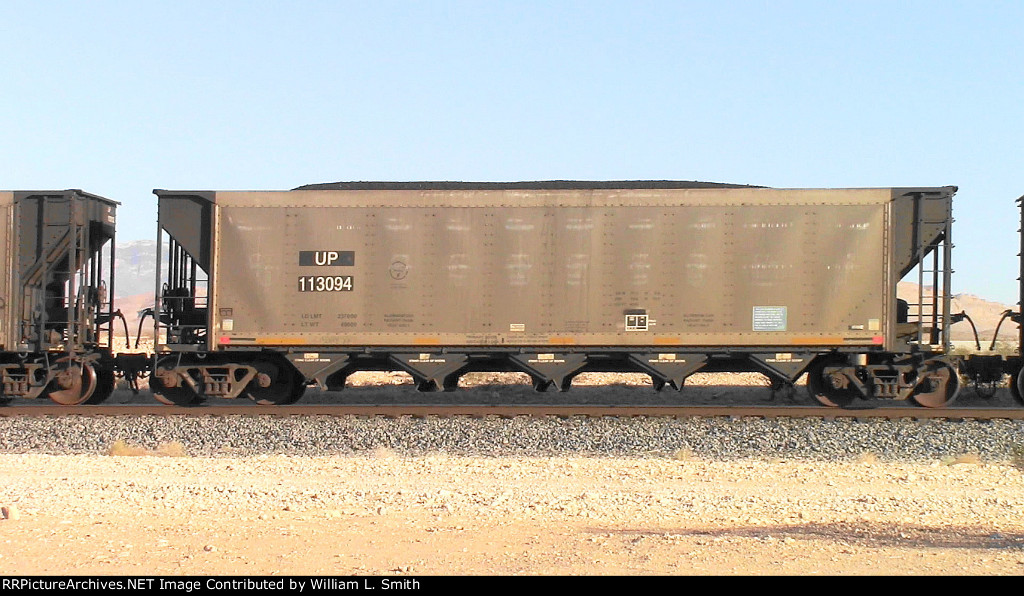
x=511 y=411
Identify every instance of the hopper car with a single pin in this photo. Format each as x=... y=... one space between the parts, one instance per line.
x=986 y=371
x=261 y=294
x=56 y=284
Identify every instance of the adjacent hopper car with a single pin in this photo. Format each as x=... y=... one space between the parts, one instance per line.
x=261 y=294
x=987 y=371
x=56 y=281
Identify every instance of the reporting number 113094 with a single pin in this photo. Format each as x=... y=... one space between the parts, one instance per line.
x=325 y=283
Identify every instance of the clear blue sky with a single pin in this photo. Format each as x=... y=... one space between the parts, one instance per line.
x=121 y=97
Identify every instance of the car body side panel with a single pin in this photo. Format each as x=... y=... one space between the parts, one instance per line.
x=598 y=267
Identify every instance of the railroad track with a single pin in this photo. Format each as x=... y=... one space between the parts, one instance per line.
x=508 y=411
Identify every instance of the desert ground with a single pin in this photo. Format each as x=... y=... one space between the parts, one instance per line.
x=162 y=512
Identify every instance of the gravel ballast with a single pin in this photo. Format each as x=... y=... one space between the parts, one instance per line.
x=716 y=438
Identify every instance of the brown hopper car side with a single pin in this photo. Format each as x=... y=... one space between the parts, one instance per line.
x=269 y=291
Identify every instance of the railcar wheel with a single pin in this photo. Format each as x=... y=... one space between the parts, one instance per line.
x=275 y=384
x=832 y=390
x=181 y=395
x=73 y=385
x=1016 y=381
x=105 y=382
x=939 y=385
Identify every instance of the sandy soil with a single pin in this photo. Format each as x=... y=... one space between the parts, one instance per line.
x=389 y=515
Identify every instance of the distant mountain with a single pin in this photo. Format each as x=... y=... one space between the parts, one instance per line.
x=984 y=313
x=135 y=266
